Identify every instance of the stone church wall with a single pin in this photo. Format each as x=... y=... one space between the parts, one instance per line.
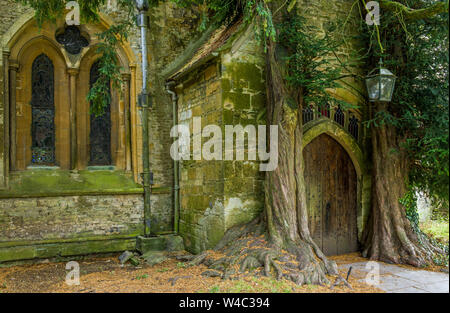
x=42 y=218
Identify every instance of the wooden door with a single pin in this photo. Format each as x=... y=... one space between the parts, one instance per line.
x=331 y=187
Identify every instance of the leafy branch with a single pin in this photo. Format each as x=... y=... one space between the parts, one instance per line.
x=410 y=14
x=310 y=68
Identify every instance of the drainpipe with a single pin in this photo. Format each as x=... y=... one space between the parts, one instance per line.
x=143 y=7
x=176 y=189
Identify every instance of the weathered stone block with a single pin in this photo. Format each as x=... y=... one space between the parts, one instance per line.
x=162 y=243
x=154 y=257
x=143 y=244
x=125 y=257
x=174 y=243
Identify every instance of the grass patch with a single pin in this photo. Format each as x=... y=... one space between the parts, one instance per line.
x=141 y=277
x=438 y=230
x=163 y=270
x=181 y=265
x=215 y=289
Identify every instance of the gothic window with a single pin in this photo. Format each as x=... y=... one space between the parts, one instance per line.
x=43 y=111
x=324 y=110
x=353 y=127
x=72 y=40
x=308 y=115
x=339 y=116
x=100 y=135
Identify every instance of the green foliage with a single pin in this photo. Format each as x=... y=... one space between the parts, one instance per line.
x=142 y=277
x=437 y=229
x=417 y=52
x=110 y=70
x=436 y=233
x=309 y=60
x=163 y=270
x=409 y=202
x=215 y=11
x=220 y=12
x=214 y=289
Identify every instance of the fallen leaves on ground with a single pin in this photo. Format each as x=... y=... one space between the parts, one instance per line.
x=107 y=275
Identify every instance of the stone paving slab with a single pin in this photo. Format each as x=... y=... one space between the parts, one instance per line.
x=437 y=287
x=396 y=279
x=410 y=290
x=423 y=277
x=384 y=268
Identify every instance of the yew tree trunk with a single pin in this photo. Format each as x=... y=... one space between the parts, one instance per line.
x=390 y=236
x=285 y=207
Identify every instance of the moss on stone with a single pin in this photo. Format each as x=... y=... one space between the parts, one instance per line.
x=241 y=210
x=42 y=250
x=52 y=183
x=245 y=75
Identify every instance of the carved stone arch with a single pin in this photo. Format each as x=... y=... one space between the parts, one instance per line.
x=26 y=26
x=351 y=146
x=25 y=31
x=334 y=130
x=124 y=127
x=25 y=44
x=120 y=108
x=11 y=35
x=26 y=55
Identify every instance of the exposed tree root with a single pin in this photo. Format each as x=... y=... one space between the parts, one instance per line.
x=409 y=248
x=340 y=280
x=246 y=250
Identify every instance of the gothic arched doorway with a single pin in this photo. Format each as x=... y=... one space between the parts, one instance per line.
x=331 y=188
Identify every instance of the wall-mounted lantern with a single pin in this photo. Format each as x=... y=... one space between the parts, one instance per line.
x=380 y=84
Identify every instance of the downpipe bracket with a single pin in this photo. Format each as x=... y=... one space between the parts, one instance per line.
x=145 y=100
x=147 y=177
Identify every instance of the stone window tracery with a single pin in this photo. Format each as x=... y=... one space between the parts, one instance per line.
x=43 y=112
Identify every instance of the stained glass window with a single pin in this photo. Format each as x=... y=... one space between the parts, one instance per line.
x=339 y=117
x=353 y=127
x=100 y=134
x=308 y=115
x=324 y=110
x=43 y=111
x=72 y=40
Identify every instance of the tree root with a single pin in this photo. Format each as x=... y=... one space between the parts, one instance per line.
x=341 y=280
x=246 y=250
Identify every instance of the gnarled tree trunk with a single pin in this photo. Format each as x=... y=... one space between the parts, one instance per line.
x=286 y=210
x=390 y=236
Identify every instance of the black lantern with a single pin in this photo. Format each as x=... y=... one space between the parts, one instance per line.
x=142 y=5
x=380 y=84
